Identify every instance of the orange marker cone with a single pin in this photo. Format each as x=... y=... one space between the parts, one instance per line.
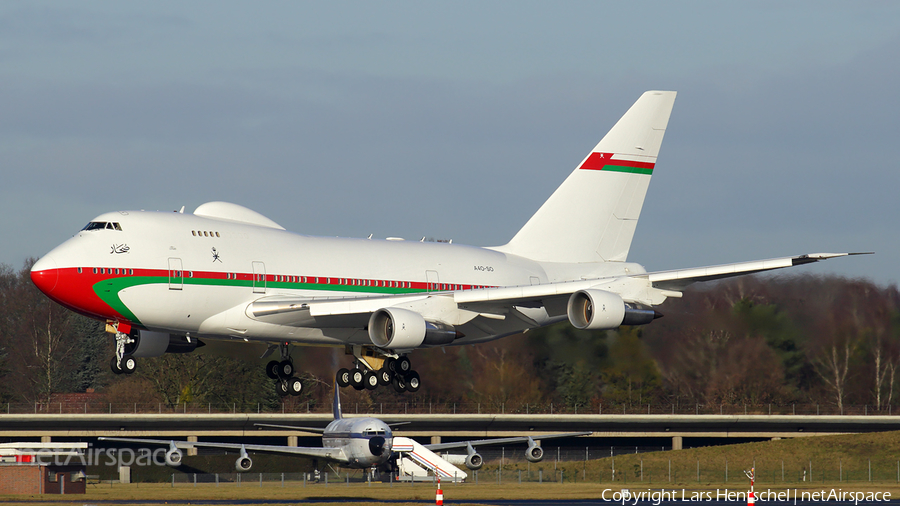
x=439 y=496
x=751 y=497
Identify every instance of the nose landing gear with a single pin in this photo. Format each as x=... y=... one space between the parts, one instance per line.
x=122 y=363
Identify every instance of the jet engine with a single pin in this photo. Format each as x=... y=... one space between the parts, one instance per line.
x=595 y=310
x=474 y=460
x=243 y=463
x=173 y=457
x=396 y=328
x=155 y=344
x=534 y=453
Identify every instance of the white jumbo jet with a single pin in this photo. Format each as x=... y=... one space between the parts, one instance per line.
x=356 y=443
x=167 y=282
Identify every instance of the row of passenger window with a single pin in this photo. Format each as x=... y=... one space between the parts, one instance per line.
x=303 y=279
x=105 y=270
x=204 y=233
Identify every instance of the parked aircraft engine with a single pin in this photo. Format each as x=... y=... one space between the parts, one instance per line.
x=155 y=344
x=595 y=310
x=243 y=463
x=534 y=453
x=474 y=460
x=173 y=457
x=396 y=328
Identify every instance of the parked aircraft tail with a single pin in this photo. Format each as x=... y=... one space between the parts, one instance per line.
x=592 y=216
x=336 y=407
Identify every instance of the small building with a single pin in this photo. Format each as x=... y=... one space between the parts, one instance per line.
x=24 y=468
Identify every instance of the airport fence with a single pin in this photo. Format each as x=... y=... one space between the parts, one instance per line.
x=657 y=474
x=425 y=407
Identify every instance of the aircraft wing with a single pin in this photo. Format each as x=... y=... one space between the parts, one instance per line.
x=503 y=440
x=494 y=302
x=679 y=279
x=335 y=454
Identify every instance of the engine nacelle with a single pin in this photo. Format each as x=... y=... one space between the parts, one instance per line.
x=534 y=453
x=155 y=344
x=243 y=463
x=474 y=461
x=173 y=457
x=595 y=310
x=402 y=329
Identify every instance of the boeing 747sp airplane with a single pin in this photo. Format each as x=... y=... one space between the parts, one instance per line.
x=168 y=282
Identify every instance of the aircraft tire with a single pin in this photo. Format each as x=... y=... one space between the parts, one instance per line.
x=384 y=376
x=403 y=365
x=285 y=369
x=272 y=369
x=343 y=377
x=356 y=378
x=399 y=384
x=114 y=365
x=412 y=382
x=389 y=364
x=370 y=380
x=281 y=388
x=129 y=364
x=294 y=386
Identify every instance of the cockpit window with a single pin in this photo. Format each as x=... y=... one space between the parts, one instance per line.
x=100 y=225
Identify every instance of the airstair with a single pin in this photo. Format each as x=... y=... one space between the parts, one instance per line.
x=418 y=463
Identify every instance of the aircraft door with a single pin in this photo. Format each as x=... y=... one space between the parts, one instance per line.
x=433 y=280
x=259 y=277
x=176 y=274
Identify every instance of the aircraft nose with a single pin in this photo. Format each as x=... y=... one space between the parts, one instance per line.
x=44 y=274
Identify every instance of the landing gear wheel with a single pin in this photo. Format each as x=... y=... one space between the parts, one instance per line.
x=412 y=382
x=402 y=365
x=389 y=364
x=399 y=384
x=370 y=380
x=356 y=378
x=294 y=386
x=285 y=369
x=343 y=377
x=129 y=364
x=281 y=388
x=384 y=376
x=272 y=369
x=114 y=365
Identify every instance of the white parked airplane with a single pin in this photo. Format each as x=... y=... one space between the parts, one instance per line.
x=357 y=443
x=166 y=282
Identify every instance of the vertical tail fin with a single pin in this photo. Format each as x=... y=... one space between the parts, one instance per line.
x=592 y=216
x=336 y=407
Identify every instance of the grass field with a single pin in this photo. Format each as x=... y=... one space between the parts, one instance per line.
x=839 y=463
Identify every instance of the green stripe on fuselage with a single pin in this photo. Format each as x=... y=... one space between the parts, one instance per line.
x=108 y=289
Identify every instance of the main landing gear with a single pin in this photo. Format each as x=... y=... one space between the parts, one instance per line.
x=283 y=373
x=371 y=371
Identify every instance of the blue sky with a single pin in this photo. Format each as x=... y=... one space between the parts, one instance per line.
x=456 y=120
